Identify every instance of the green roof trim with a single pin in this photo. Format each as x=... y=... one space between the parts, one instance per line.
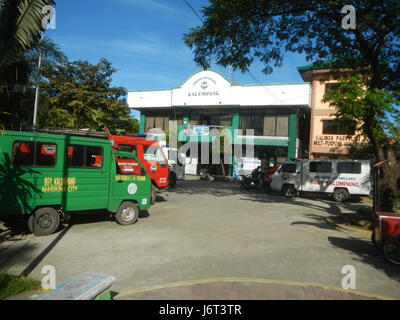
x=335 y=63
x=269 y=84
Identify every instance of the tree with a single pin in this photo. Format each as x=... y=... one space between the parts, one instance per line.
x=236 y=32
x=79 y=95
x=21 y=29
x=17 y=98
x=353 y=101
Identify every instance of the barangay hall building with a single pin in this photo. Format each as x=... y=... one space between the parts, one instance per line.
x=288 y=120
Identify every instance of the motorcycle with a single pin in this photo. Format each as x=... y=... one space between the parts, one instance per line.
x=204 y=174
x=256 y=181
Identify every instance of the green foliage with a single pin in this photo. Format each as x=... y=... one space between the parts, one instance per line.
x=370 y=107
x=237 y=32
x=11 y=286
x=20 y=27
x=79 y=95
x=397 y=203
x=17 y=92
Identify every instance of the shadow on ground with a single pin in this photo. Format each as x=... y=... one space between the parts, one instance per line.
x=13 y=229
x=226 y=189
x=361 y=248
x=365 y=252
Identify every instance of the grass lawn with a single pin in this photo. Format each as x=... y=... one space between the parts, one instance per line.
x=11 y=285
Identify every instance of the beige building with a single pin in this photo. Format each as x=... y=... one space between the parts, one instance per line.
x=327 y=136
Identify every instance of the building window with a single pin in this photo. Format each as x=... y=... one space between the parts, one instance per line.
x=251 y=122
x=160 y=120
x=338 y=127
x=331 y=87
x=218 y=118
x=265 y=125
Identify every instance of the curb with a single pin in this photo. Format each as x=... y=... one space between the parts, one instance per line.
x=348 y=228
x=253 y=280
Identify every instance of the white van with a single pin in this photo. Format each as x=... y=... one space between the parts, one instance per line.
x=340 y=178
x=176 y=161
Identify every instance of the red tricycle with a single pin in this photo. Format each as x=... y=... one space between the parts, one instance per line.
x=386 y=231
x=386 y=235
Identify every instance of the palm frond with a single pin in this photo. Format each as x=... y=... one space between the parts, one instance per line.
x=29 y=22
x=20 y=26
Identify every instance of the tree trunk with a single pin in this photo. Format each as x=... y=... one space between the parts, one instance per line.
x=388 y=184
x=223 y=167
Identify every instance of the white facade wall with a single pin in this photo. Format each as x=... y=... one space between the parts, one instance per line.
x=210 y=89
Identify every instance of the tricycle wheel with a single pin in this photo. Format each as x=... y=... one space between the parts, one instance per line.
x=44 y=221
x=172 y=180
x=153 y=195
x=128 y=213
x=373 y=239
x=391 y=248
x=267 y=187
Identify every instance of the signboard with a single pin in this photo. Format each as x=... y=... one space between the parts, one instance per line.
x=201 y=130
x=335 y=140
x=205 y=88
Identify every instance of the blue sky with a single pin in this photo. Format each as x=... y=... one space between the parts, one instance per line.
x=144 y=41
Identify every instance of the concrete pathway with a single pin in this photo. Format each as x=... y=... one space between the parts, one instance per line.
x=244 y=289
x=211 y=230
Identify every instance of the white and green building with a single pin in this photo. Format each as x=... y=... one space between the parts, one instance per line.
x=278 y=114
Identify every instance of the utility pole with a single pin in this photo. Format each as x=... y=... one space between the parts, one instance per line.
x=37 y=91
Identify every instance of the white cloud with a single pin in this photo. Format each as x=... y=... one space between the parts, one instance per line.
x=142 y=46
x=153 y=5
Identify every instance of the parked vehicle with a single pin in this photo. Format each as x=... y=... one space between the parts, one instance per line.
x=177 y=163
x=339 y=178
x=47 y=177
x=204 y=174
x=256 y=181
x=150 y=154
x=386 y=235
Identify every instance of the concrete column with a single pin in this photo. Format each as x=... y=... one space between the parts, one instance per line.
x=185 y=119
x=142 y=123
x=235 y=119
x=292 y=135
x=235 y=125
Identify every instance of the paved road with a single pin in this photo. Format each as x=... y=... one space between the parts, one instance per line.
x=210 y=230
